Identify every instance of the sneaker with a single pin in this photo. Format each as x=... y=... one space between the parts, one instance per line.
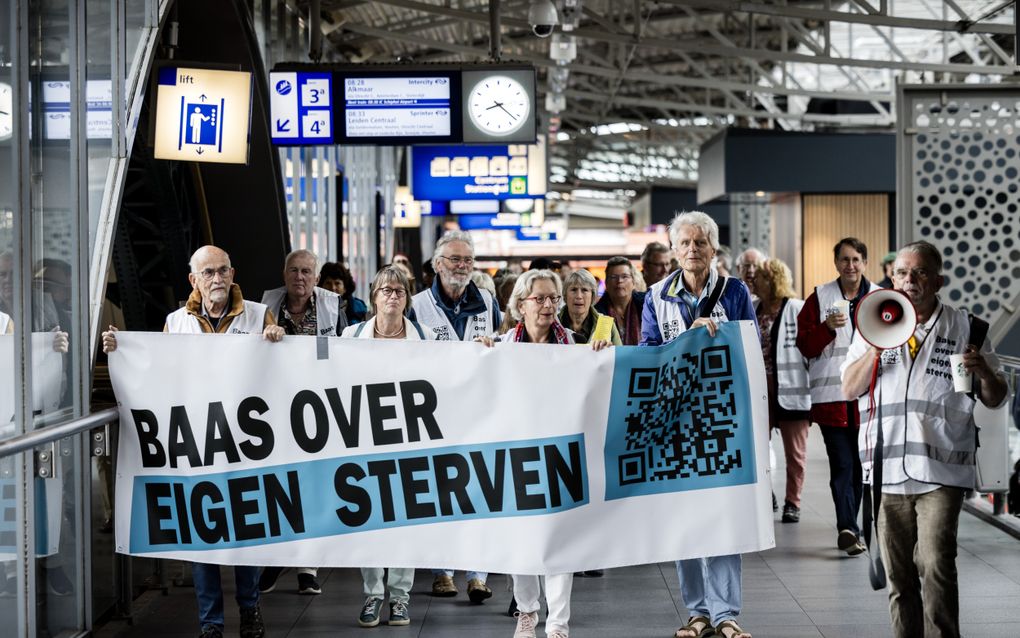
x=526 y=625
x=307 y=584
x=398 y=614
x=268 y=578
x=212 y=631
x=849 y=543
x=791 y=513
x=478 y=591
x=370 y=612
x=252 y=625
x=443 y=586
x=557 y=633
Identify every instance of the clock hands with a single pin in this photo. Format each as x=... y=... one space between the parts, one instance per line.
x=500 y=105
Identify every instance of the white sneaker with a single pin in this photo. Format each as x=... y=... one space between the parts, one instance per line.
x=526 y=624
x=557 y=633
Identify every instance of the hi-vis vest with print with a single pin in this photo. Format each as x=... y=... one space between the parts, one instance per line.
x=251 y=321
x=429 y=314
x=327 y=308
x=823 y=370
x=928 y=429
x=667 y=313
x=791 y=367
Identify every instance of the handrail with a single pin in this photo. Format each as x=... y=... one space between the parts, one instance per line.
x=31 y=439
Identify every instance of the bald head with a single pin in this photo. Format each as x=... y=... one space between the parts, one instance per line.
x=205 y=253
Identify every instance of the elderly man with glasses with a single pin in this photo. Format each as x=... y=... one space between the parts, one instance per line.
x=217 y=306
x=919 y=451
x=457 y=310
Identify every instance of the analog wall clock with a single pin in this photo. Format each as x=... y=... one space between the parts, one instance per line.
x=498 y=105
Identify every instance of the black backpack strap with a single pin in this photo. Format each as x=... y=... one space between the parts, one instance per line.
x=713 y=298
x=978 y=334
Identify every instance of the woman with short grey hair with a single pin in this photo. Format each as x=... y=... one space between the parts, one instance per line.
x=578 y=313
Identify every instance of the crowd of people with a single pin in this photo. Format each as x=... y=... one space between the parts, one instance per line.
x=818 y=369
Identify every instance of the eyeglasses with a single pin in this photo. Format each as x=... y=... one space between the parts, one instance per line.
x=457 y=261
x=916 y=273
x=623 y=277
x=208 y=273
x=390 y=292
x=540 y=300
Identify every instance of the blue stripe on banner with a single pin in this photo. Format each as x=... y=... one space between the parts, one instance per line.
x=674 y=421
x=345 y=495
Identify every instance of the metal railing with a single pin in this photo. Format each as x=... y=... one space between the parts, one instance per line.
x=29 y=440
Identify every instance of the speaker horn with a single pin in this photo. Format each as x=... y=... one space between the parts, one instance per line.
x=886 y=318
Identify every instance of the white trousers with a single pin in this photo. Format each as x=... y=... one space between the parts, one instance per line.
x=557 y=596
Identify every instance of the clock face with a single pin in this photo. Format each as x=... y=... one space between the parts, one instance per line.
x=6 y=111
x=499 y=105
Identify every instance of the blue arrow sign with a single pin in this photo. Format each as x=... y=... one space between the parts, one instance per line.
x=282 y=126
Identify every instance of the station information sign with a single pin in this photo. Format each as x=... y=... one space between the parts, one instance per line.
x=202 y=115
x=403 y=105
x=479 y=172
x=301 y=107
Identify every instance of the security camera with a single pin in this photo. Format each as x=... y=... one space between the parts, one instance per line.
x=542 y=17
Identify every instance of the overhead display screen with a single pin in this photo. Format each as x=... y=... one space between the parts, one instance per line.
x=402 y=107
x=479 y=172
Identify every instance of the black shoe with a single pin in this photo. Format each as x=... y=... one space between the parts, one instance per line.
x=791 y=513
x=307 y=584
x=252 y=625
x=268 y=578
x=212 y=631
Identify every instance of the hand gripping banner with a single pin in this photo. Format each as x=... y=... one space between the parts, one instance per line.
x=523 y=458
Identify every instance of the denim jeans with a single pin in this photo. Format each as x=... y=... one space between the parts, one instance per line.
x=711 y=587
x=209 y=591
x=845 y=476
x=917 y=533
x=398 y=582
x=449 y=572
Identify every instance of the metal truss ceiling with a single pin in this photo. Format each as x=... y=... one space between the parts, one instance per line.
x=652 y=80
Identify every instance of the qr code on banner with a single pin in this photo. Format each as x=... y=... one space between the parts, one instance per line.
x=681 y=419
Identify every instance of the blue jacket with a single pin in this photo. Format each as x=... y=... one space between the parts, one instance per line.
x=735 y=300
x=470 y=305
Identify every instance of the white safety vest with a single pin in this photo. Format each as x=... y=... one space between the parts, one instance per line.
x=791 y=366
x=927 y=428
x=667 y=313
x=429 y=314
x=5 y=320
x=250 y=321
x=823 y=370
x=327 y=308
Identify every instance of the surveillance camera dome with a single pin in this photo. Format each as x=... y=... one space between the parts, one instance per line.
x=542 y=17
x=542 y=30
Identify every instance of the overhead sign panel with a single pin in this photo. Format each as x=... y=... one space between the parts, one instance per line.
x=479 y=172
x=202 y=115
x=404 y=104
x=301 y=108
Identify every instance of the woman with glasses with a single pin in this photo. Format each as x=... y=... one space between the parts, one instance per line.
x=578 y=314
x=534 y=304
x=622 y=301
x=390 y=300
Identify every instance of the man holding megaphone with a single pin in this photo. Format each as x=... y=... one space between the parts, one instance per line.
x=916 y=399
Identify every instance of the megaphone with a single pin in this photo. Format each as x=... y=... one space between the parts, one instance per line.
x=886 y=318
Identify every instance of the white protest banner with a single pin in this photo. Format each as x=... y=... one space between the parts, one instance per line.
x=522 y=458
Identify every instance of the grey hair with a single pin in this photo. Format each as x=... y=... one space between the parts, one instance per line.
x=621 y=261
x=583 y=278
x=302 y=252
x=193 y=262
x=928 y=251
x=484 y=281
x=741 y=260
x=523 y=288
x=386 y=275
x=696 y=219
x=448 y=237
